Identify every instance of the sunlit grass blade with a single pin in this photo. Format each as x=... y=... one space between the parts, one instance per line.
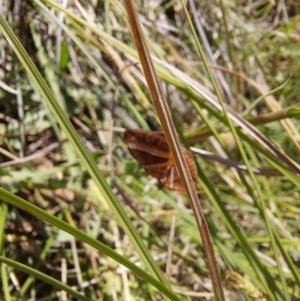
x=81 y=151
x=26 y=206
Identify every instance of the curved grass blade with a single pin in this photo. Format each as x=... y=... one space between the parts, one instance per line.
x=42 y=214
x=85 y=157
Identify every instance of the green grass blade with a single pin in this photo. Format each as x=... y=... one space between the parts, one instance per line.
x=81 y=151
x=32 y=209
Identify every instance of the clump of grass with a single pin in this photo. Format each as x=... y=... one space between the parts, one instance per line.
x=87 y=58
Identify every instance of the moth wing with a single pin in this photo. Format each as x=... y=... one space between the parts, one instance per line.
x=171 y=179
x=151 y=150
x=156 y=170
x=147 y=148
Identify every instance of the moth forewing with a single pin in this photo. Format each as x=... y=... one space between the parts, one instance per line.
x=151 y=150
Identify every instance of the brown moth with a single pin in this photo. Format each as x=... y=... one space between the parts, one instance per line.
x=152 y=151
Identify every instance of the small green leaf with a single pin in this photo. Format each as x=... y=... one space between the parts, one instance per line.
x=293 y=112
x=64 y=56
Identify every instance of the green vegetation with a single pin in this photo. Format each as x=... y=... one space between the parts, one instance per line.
x=80 y=219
